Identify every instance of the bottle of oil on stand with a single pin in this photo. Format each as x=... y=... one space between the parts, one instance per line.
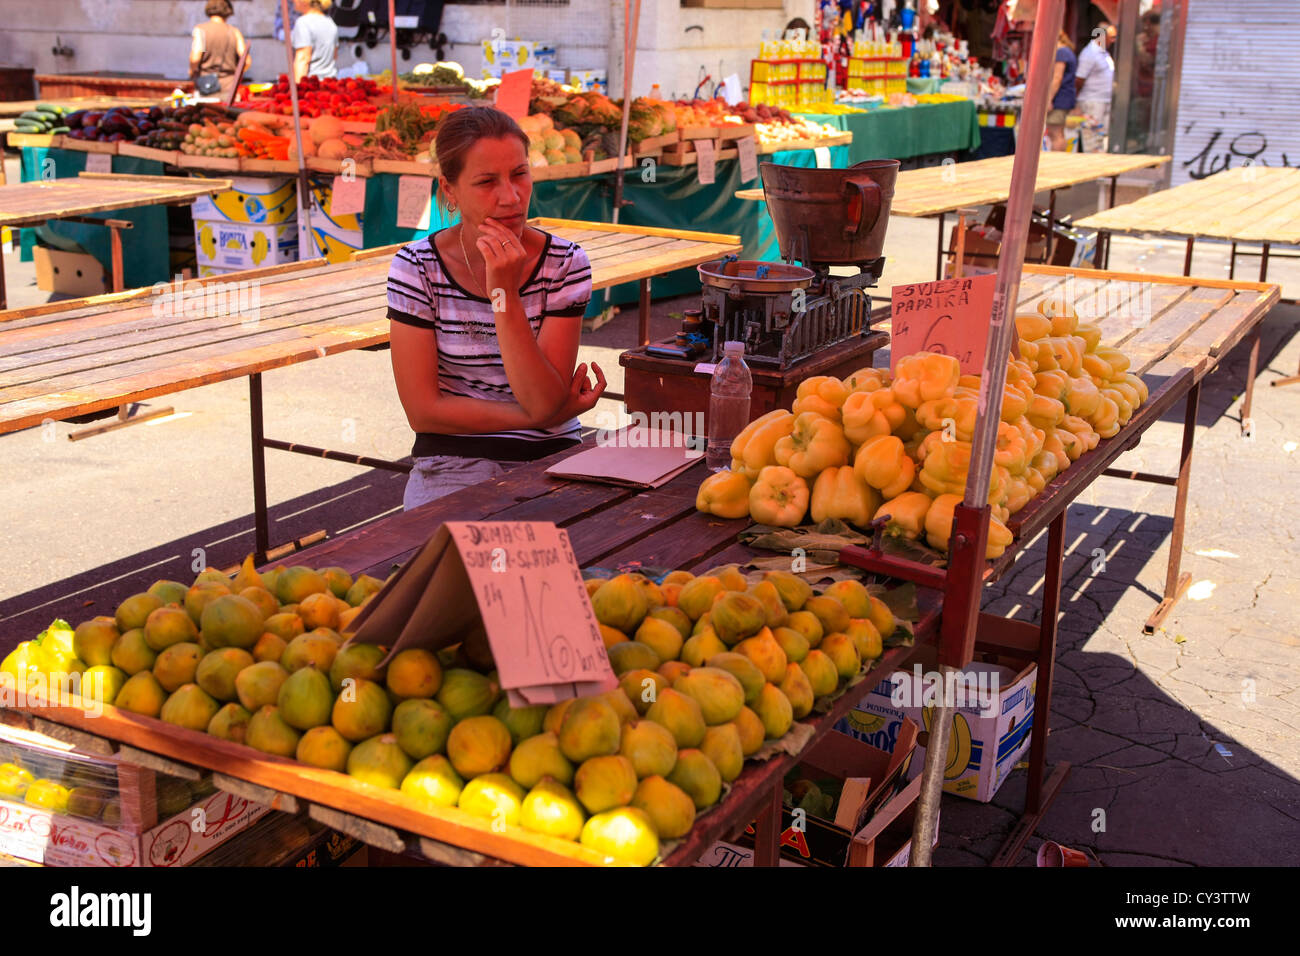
x=729 y=395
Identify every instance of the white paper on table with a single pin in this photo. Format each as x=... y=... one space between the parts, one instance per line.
x=99 y=162
x=348 y=196
x=731 y=90
x=748 y=158
x=414 y=194
x=708 y=161
x=823 y=154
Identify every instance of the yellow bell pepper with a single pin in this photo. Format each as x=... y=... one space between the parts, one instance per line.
x=920 y=449
x=1139 y=386
x=1019 y=493
x=866 y=414
x=938 y=528
x=999 y=539
x=1028 y=350
x=779 y=497
x=1068 y=351
x=1011 y=450
x=1045 y=412
x=883 y=463
x=1082 y=397
x=1055 y=443
x=1033 y=438
x=1123 y=408
x=960 y=409
x=840 y=493
x=1082 y=431
x=740 y=468
x=1054 y=384
x=1060 y=313
x=1035 y=478
x=944 y=471
x=1032 y=326
x=1045 y=361
x=1125 y=388
x=815 y=444
x=756 y=444
x=1091 y=335
x=1014 y=404
x=867 y=380
x=1046 y=464
x=906 y=514
x=925 y=377
x=823 y=394
x=1097 y=369
x=725 y=494
x=1116 y=359
x=969 y=381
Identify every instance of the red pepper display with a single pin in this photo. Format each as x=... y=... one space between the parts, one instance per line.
x=347 y=99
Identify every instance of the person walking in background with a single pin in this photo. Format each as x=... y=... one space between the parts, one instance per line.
x=1063 y=95
x=315 y=40
x=215 y=49
x=1094 y=81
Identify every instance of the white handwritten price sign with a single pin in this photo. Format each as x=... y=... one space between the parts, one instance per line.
x=414 y=194
x=520 y=580
x=99 y=162
x=348 y=196
x=950 y=317
x=748 y=158
x=707 y=167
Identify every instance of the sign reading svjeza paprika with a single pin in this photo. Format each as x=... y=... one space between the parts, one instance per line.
x=950 y=316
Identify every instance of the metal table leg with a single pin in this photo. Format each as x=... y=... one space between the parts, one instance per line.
x=1232 y=262
x=1187 y=259
x=1041 y=792
x=1175 y=582
x=1114 y=181
x=938 y=256
x=643 y=320
x=1247 y=426
x=767 y=831
x=261 y=523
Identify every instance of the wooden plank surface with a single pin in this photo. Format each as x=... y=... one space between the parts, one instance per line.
x=936 y=189
x=1255 y=204
x=28 y=204
x=85 y=355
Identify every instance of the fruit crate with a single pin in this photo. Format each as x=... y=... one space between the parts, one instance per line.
x=64 y=805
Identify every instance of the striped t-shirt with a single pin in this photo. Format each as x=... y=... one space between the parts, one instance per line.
x=422 y=293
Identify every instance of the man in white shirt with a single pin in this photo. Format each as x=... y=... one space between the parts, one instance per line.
x=1094 y=79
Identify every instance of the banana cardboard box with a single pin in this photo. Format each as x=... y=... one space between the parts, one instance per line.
x=237 y=245
x=336 y=236
x=991 y=722
x=252 y=199
x=504 y=56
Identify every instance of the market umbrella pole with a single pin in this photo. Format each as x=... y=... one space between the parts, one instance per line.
x=392 y=41
x=306 y=246
x=631 y=20
x=961 y=602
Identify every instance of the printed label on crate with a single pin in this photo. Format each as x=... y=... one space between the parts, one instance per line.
x=234 y=245
x=252 y=200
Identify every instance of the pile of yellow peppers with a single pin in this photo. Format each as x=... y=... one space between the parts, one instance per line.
x=874 y=443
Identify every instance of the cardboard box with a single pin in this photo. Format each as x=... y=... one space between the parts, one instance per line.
x=235 y=245
x=337 y=237
x=32 y=833
x=985 y=746
x=871 y=794
x=72 y=273
x=586 y=80
x=264 y=200
x=505 y=56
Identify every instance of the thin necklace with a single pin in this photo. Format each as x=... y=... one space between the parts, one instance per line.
x=461 y=236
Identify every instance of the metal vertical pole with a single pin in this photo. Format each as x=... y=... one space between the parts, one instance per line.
x=261 y=519
x=392 y=42
x=1002 y=328
x=306 y=246
x=631 y=23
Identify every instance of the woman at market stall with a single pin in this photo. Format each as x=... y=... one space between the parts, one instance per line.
x=1062 y=94
x=486 y=317
x=215 y=48
x=315 y=40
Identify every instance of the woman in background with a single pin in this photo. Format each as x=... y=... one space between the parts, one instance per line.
x=216 y=46
x=1062 y=94
x=315 y=40
x=486 y=317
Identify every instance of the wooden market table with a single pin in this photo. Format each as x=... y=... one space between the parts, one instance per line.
x=1255 y=204
x=939 y=190
x=73 y=200
x=64 y=359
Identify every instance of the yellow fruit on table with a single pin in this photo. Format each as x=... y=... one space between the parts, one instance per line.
x=611 y=635
x=414 y=672
x=48 y=795
x=773 y=708
x=766 y=654
x=737 y=615
x=14 y=780
x=823 y=676
x=102 y=683
x=552 y=809
x=697 y=595
x=718 y=692
x=166 y=626
x=169 y=592
x=603 y=783
x=794 y=644
x=465 y=693
x=865 y=638
x=751 y=731
x=698 y=777
x=319 y=610
x=284 y=625
x=305 y=699
x=379 y=761
x=268 y=733
x=808 y=624
x=793 y=590
x=259 y=684
x=798 y=690
x=642 y=687
x=231 y=621
x=674 y=616
x=773 y=605
x=191 y=707
x=882 y=618
x=620 y=603
x=495 y=797
x=324 y=747
x=361 y=710
x=177 y=665
x=671 y=670
x=200 y=596
x=539 y=757
x=434 y=780
x=722 y=746
x=478 y=745
x=779 y=497
x=661 y=637
x=633 y=655
x=296 y=583
x=94 y=639
x=359 y=661
x=591 y=728
x=218 y=670
x=132 y=654
x=230 y=723
x=626 y=834
x=724 y=494
x=649 y=747
x=743 y=669
x=421 y=727
x=852 y=595
x=522 y=722
x=135 y=610
x=843 y=653
x=264 y=599
x=620 y=704
x=669 y=807
x=701 y=647
x=681 y=715
x=362 y=588
x=141 y=694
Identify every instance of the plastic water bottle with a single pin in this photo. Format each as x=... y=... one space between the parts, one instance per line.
x=728 y=404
